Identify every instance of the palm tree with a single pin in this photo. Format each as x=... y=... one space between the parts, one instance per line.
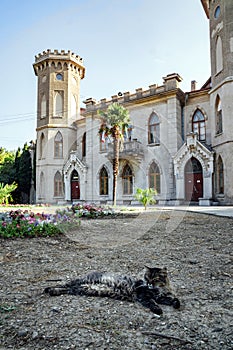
x=114 y=122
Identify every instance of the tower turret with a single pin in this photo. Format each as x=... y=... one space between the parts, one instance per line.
x=58 y=107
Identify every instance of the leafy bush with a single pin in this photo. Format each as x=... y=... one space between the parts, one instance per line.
x=146 y=196
x=5 y=192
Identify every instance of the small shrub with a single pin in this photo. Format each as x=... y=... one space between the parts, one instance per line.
x=145 y=196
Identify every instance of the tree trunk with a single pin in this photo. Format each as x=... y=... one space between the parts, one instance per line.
x=116 y=151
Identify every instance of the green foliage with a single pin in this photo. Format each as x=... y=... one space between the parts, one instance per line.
x=145 y=196
x=7 y=170
x=25 y=174
x=116 y=114
x=17 y=167
x=6 y=192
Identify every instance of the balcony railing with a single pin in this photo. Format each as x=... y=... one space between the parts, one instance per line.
x=130 y=150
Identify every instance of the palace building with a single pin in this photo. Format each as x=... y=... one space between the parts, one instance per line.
x=179 y=143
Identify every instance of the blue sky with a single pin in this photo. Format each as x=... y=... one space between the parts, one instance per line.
x=125 y=44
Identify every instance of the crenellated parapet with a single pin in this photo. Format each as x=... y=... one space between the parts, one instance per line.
x=59 y=59
x=171 y=83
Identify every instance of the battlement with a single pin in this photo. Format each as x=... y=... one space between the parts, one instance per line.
x=46 y=58
x=171 y=83
x=56 y=54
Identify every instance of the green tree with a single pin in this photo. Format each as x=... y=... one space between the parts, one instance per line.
x=145 y=196
x=17 y=193
x=7 y=171
x=114 y=122
x=5 y=192
x=25 y=174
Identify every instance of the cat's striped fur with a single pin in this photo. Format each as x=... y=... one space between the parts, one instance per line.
x=122 y=287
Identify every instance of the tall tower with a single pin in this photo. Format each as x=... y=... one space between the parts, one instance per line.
x=58 y=107
x=220 y=14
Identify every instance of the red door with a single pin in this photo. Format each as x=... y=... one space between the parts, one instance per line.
x=75 y=186
x=193 y=180
x=75 y=190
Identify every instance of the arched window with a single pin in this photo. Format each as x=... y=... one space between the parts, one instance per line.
x=220 y=176
x=43 y=107
x=103 y=142
x=127 y=179
x=58 y=186
x=219 y=57
x=42 y=186
x=73 y=106
x=84 y=145
x=153 y=129
x=103 y=178
x=58 y=145
x=42 y=145
x=154 y=177
x=198 y=125
x=58 y=104
x=218 y=115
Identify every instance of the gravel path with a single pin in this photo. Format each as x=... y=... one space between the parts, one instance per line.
x=196 y=248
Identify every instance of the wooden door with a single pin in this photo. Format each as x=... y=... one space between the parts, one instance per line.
x=75 y=186
x=193 y=180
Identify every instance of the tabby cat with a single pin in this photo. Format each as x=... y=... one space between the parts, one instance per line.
x=154 y=290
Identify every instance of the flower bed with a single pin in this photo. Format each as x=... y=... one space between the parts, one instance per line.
x=91 y=210
x=24 y=223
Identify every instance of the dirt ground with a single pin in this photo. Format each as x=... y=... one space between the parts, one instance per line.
x=196 y=249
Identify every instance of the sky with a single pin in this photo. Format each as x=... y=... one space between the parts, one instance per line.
x=125 y=45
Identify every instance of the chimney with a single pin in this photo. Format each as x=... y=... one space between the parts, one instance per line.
x=193 y=85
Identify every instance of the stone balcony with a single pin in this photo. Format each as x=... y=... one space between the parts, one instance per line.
x=132 y=150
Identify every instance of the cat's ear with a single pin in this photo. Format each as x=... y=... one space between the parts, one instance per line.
x=147 y=268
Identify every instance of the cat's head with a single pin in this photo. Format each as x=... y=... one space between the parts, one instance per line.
x=156 y=276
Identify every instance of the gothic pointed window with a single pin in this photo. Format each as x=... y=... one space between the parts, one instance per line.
x=219 y=56
x=84 y=145
x=127 y=179
x=153 y=129
x=42 y=186
x=218 y=116
x=103 y=178
x=42 y=145
x=154 y=177
x=58 y=145
x=43 y=106
x=73 y=106
x=198 y=125
x=220 y=176
x=58 y=103
x=58 y=185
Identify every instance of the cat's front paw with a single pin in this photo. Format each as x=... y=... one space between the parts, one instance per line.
x=155 y=308
x=176 y=303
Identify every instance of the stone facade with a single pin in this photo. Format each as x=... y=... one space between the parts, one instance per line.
x=180 y=143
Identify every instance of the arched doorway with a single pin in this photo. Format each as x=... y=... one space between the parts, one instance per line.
x=193 y=180
x=75 y=186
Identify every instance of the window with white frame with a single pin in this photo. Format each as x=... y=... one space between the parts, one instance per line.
x=154 y=177
x=198 y=125
x=153 y=129
x=58 y=145
x=58 y=185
